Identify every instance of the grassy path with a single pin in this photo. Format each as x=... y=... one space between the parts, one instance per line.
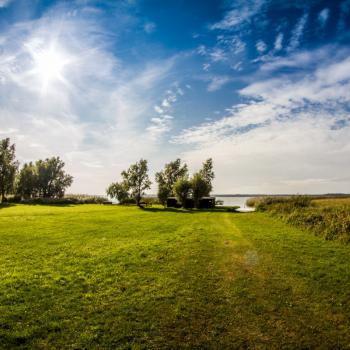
x=86 y=277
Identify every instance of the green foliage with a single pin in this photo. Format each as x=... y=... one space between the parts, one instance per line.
x=200 y=188
x=182 y=189
x=46 y=179
x=115 y=277
x=264 y=203
x=137 y=179
x=52 y=179
x=70 y=199
x=8 y=167
x=150 y=201
x=207 y=173
x=331 y=222
x=163 y=194
x=119 y=191
x=167 y=178
x=27 y=181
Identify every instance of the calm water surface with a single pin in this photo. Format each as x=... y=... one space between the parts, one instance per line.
x=233 y=201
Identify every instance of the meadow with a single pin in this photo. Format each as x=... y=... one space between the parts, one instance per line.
x=119 y=277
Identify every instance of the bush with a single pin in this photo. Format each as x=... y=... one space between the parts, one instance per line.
x=268 y=202
x=331 y=223
x=69 y=199
x=150 y=200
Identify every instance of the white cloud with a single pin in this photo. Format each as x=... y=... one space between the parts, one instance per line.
x=290 y=132
x=149 y=27
x=162 y=124
x=5 y=3
x=159 y=126
x=92 y=109
x=301 y=59
x=241 y=13
x=279 y=42
x=298 y=33
x=323 y=16
x=218 y=55
x=206 y=66
x=217 y=82
x=158 y=109
x=261 y=46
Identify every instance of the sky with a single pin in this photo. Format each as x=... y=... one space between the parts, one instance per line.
x=261 y=86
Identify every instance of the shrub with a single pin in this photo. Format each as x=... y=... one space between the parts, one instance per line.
x=69 y=199
x=150 y=200
x=331 y=223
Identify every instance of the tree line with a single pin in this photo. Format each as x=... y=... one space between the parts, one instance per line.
x=45 y=178
x=173 y=181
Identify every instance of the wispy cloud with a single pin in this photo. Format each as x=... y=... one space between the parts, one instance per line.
x=149 y=27
x=163 y=122
x=5 y=3
x=279 y=41
x=323 y=16
x=217 y=82
x=241 y=12
x=298 y=32
x=286 y=123
x=91 y=109
x=261 y=46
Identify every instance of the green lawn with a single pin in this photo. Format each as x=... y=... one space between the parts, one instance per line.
x=110 y=277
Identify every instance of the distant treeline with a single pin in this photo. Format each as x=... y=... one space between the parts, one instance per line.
x=45 y=181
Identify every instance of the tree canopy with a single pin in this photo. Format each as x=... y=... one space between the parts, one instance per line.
x=118 y=190
x=200 y=188
x=168 y=176
x=8 y=167
x=135 y=182
x=46 y=178
x=207 y=173
x=182 y=188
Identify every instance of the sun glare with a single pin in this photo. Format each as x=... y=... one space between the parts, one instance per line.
x=49 y=66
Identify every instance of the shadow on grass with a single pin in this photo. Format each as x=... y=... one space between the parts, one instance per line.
x=224 y=209
x=170 y=210
x=6 y=205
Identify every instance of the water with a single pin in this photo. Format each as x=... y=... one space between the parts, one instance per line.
x=235 y=201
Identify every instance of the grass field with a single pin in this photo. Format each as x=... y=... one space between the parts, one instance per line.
x=332 y=202
x=110 y=277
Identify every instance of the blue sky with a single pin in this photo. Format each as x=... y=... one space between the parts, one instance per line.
x=261 y=86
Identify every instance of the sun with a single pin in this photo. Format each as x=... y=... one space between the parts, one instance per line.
x=49 y=66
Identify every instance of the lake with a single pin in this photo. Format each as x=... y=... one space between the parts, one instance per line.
x=233 y=201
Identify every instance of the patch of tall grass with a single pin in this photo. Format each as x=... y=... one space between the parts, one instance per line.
x=331 y=222
x=67 y=199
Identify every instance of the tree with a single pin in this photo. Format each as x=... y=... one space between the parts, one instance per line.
x=182 y=188
x=200 y=188
x=118 y=190
x=163 y=194
x=52 y=181
x=207 y=173
x=137 y=179
x=167 y=178
x=8 y=167
x=27 y=181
